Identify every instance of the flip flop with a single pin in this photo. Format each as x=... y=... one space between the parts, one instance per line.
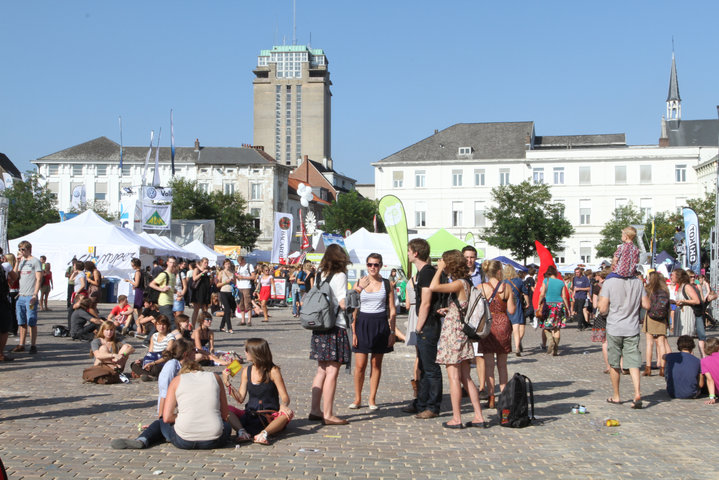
x=611 y=400
x=477 y=424
x=459 y=426
x=637 y=404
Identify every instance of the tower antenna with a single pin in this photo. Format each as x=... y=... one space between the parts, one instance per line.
x=294 y=22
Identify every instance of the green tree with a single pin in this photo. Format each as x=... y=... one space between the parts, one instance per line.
x=522 y=214
x=351 y=211
x=232 y=225
x=612 y=232
x=665 y=223
x=31 y=206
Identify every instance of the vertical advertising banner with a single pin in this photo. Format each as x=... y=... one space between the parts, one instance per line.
x=127 y=212
x=79 y=197
x=281 y=237
x=691 y=242
x=392 y=212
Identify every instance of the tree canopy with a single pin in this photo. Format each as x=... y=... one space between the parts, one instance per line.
x=622 y=217
x=524 y=213
x=351 y=212
x=666 y=222
x=232 y=225
x=31 y=206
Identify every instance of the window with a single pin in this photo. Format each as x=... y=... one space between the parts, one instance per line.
x=558 y=175
x=479 y=177
x=585 y=175
x=680 y=172
x=420 y=214
x=479 y=218
x=256 y=191
x=645 y=207
x=645 y=174
x=559 y=257
x=228 y=188
x=456 y=214
x=101 y=169
x=465 y=150
x=100 y=191
x=620 y=202
x=397 y=178
x=419 y=178
x=77 y=170
x=126 y=169
x=538 y=175
x=585 y=212
x=53 y=169
x=620 y=174
x=585 y=252
x=563 y=204
x=456 y=178
x=203 y=187
x=504 y=176
x=255 y=214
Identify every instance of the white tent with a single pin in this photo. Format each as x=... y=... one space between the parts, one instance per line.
x=361 y=243
x=160 y=248
x=87 y=237
x=201 y=250
x=172 y=247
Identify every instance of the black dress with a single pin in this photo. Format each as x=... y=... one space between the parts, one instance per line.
x=202 y=290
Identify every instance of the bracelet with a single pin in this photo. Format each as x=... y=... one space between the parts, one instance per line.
x=125 y=354
x=712 y=396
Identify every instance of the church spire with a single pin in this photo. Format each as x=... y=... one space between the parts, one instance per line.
x=674 y=101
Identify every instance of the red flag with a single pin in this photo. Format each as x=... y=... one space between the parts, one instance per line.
x=545 y=261
x=305 y=241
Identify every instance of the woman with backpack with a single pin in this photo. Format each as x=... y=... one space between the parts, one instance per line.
x=454 y=349
x=373 y=329
x=689 y=308
x=331 y=348
x=655 y=322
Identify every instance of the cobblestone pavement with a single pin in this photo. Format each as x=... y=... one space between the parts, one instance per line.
x=54 y=426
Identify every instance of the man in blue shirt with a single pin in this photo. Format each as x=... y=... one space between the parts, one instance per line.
x=475 y=269
x=682 y=370
x=580 y=289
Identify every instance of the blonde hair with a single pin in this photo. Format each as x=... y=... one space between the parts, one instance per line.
x=508 y=272
x=492 y=268
x=630 y=232
x=190 y=366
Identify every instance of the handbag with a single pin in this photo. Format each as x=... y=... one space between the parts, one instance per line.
x=100 y=374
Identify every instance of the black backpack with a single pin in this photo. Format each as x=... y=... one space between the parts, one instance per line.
x=151 y=295
x=4 y=288
x=659 y=306
x=513 y=405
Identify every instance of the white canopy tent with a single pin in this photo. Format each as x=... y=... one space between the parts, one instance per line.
x=174 y=248
x=160 y=248
x=87 y=237
x=362 y=243
x=201 y=250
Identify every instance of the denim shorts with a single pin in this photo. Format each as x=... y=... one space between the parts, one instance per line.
x=25 y=314
x=178 y=306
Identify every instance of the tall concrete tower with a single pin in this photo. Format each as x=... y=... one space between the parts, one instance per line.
x=292 y=102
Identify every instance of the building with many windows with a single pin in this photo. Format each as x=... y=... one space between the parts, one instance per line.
x=292 y=103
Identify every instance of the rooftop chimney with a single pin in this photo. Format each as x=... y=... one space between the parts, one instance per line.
x=197 y=144
x=324 y=162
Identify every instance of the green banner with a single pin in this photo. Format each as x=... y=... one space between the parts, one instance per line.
x=392 y=212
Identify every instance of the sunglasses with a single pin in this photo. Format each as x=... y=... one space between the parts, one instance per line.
x=375 y=265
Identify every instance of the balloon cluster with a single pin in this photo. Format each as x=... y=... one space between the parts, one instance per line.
x=305 y=193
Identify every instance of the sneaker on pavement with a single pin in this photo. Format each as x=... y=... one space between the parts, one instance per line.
x=33 y=349
x=19 y=348
x=126 y=443
x=427 y=414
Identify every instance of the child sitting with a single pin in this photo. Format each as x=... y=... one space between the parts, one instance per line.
x=682 y=370
x=215 y=305
x=267 y=411
x=626 y=258
x=710 y=367
x=122 y=314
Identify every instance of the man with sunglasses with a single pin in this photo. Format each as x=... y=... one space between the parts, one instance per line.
x=30 y=271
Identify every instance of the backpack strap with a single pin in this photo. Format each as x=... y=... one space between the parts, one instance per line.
x=528 y=382
x=388 y=290
x=455 y=300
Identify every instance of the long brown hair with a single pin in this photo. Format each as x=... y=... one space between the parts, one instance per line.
x=262 y=357
x=656 y=283
x=455 y=264
x=335 y=260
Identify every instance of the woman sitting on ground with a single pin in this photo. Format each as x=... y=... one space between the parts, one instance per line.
x=216 y=306
x=267 y=411
x=183 y=328
x=83 y=324
x=107 y=350
x=179 y=354
x=204 y=339
x=201 y=404
x=150 y=366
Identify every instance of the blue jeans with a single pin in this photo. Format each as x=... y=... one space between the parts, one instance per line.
x=701 y=331
x=296 y=299
x=168 y=430
x=429 y=395
x=153 y=434
x=25 y=314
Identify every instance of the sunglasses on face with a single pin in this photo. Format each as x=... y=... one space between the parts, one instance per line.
x=375 y=265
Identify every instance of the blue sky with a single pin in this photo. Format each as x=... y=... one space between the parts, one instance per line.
x=400 y=69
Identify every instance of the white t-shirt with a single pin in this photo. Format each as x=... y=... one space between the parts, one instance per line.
x=78 y=283
x=338 y=284
x=245 y=271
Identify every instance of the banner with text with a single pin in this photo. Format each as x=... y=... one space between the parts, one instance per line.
x=156 y=217
x=281 y=236
x=691 y=242
x=157 y=195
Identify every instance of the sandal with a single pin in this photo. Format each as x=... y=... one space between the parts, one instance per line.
x=637 y=404
x=612 y=401
x=261 y=438
x=243 y=436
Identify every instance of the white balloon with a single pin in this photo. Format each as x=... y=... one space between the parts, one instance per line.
x=304 y=202
x=301 y=189
x=308 y=195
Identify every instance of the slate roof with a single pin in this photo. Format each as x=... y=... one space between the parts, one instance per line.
x=8 y=166
x=673 y=83
x=693 y=133
x=104 y=150
x=500 y=140
x=580 y=141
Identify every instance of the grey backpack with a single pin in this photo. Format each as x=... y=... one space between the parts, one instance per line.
x=317 y=313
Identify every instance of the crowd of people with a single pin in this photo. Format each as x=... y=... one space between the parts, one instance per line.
x=616 y=303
